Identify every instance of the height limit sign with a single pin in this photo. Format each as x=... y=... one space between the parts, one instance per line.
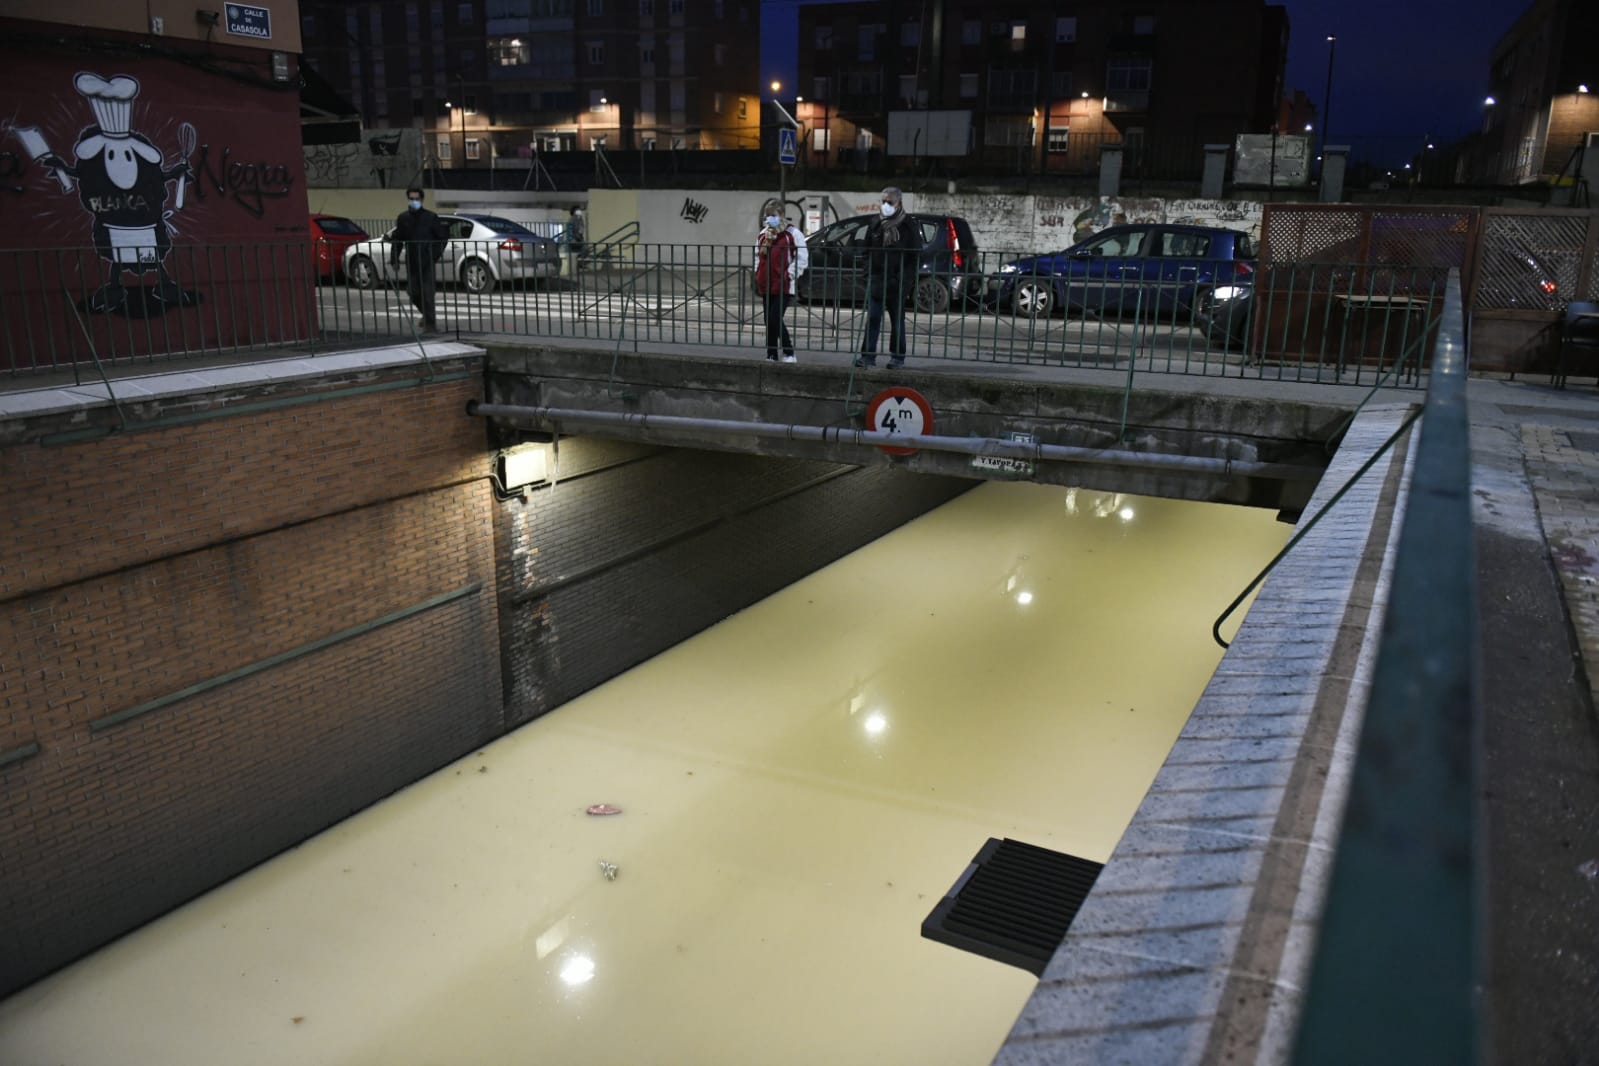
x=899 y=410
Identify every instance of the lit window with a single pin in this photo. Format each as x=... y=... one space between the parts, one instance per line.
x=473 y=148
x=444 y=148
x=1058 y=136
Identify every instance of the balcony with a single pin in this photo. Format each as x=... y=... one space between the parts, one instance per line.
x=1127 y=100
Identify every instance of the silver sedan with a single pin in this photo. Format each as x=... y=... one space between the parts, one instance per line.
x=482 y=251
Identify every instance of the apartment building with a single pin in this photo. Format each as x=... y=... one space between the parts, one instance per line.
x=1543 y=102
x=493 y=82
x=1045 y=85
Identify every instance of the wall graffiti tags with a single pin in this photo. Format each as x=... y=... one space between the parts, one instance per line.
x=368 y=165
x=121 y=182
x=249 y=184
x=693 y=210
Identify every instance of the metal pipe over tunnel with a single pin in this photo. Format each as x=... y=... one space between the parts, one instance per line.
x=558 y=417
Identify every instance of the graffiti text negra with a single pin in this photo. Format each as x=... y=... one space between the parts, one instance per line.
x=250 y=184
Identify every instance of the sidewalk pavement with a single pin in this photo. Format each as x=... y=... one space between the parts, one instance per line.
x=1535 y=475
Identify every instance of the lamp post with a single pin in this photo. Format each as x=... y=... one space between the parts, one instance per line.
x=460 y=83
x=1326 y=97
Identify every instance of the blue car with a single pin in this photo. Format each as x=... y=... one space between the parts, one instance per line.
x=1149 y=268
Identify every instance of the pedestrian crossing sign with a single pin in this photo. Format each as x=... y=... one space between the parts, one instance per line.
x=787 y=146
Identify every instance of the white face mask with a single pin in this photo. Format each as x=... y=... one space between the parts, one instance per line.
x=773 y=221
x=888 y=210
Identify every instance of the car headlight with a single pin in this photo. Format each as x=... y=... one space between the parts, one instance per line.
x=1229 y=292
x=1009 y=268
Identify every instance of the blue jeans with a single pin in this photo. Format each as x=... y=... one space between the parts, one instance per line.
x=875 y=306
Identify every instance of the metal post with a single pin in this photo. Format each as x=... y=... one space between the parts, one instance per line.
x=1326 y=97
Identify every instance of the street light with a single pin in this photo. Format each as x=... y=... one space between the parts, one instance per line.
x=1326 y=97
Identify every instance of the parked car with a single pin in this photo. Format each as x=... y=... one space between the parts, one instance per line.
x=482 y=251
x=331 y=237
x=1222 y=314
x=946 y=268
x=1153 y=267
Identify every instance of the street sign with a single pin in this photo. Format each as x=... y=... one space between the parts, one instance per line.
x=787 y=146
x=899 y=410
x=248 y=21
x=1005 y=466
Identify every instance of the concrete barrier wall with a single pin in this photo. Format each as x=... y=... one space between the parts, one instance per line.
x=1002 y=222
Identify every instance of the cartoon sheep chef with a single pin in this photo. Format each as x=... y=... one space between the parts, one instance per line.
x=121 y=183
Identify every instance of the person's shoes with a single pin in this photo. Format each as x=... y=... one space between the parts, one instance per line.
x=772 y=356
x=865 y=360
x=896 y=362
x=421 y=323
x=790 y=357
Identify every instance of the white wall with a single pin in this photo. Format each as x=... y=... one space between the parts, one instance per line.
x=1002 y=223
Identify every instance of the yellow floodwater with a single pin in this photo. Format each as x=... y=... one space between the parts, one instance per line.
x=800 y=785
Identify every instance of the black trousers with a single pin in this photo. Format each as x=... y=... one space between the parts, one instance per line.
x=421 y=283
x=892 y=302
x=776 y=328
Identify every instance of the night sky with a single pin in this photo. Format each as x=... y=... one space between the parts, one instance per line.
x=1404 y=70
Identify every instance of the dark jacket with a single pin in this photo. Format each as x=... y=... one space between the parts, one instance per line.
x=891 y=261
x=422 y=236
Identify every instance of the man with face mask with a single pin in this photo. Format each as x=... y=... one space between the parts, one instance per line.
x=891 y=246
x=420 y=235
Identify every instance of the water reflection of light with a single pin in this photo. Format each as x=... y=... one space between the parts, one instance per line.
x=1125 y=514
x=579 y=969
x=1024 y=598
x=875 y=723
x=1098 y=504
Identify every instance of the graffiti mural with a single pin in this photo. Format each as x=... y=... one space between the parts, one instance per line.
x=121 y=181
x=148 y=204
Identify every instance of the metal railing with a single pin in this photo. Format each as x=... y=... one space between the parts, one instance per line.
x=1331 y=323
x=1399 y=955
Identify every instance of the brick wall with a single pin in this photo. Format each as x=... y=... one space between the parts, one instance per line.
x=635 y=549
x=143 y=564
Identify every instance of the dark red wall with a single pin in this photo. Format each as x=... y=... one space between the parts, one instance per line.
x=234 y=253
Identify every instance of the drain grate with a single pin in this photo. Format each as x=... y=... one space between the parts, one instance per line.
x=1013 y=904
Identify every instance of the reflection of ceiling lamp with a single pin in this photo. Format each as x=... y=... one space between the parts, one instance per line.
x=579 y=969
x=1125 y=514
x=1024 y=598
x=876 y=723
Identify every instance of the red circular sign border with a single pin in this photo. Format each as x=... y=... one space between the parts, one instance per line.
x=900 y=392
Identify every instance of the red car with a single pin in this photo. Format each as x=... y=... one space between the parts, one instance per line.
x=330 y=237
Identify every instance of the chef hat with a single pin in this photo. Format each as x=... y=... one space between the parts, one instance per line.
x=112 y=101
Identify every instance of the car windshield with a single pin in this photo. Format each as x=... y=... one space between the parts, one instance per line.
x=502 y=225
x=341 y=226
